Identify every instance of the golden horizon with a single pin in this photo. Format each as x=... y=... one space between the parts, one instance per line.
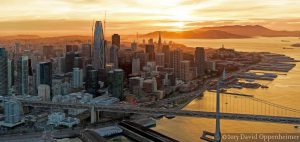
x=69 y=17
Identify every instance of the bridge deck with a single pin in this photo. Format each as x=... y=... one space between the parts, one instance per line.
x=157 y=111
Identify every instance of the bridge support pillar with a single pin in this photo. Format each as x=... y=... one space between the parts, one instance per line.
x=93 y=115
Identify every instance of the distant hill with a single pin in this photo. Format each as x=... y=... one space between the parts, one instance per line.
x=225 y=32
x=19 y=37
x=36 y=37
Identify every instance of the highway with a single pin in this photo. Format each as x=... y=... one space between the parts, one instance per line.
x=159 y=111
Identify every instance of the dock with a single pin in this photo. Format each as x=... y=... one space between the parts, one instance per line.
x=141 y=133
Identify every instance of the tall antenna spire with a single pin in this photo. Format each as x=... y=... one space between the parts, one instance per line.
x=104 y=25
x=93 y=25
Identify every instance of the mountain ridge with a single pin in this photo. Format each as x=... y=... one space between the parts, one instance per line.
x=225 y=32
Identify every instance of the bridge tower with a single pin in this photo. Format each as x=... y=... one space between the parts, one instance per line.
x=218 y=129
x=217 y=134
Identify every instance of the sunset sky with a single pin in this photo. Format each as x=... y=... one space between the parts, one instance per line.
x=63 y=17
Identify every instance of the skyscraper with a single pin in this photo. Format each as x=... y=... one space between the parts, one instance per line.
x=10 y=73
x=78 y=62
x=61 y=64
x=144 y=58
x=3 y=72
x=72 y=48
x=136 y=65
x=69 y=61
x=150 y=51
x=44 y=73
x=166 y=51
x=86 y=51
x=92 y=84
x=159 y=42
x=134 y=46
x=48 y=51
x=160 y=59
x=77 y=78
x=116 y=40
x=185 y=70
x=200 y=61
x=176 y=56
x=99 y=47
x=115 y=83
x=44 y=92
x=114 y=55
x=22 y=76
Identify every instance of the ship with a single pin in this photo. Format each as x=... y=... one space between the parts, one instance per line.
x=170 y=116
x=285 y=41
x=287 y=48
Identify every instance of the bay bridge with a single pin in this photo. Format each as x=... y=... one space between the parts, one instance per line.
x=233 y=106
x=253 y=109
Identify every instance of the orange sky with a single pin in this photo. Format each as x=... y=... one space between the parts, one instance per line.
x=63 y=17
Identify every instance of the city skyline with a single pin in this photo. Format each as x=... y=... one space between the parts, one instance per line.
x=69 y=17
x=124 y=70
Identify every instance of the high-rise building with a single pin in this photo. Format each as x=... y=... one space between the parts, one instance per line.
x=185 y=70
x=116 y=40
x=159 y=42
x=3 y=72
x=77 y=78
x=134 y=46
x=48 y=51
x=22 y=76
x=91 y=83
x=176 y=56
x=115 y=83
x=61 y=65
x=136 y=65
x=160 y=59
x=99 y=47
x=78 y=62
x=144 y=58
x=10 y=74
x=200 y=61
x=211 y=65
x=166 y=51
x=44 y=73
x=12 y=111
x=72 y=48
x=86 y=51
x=114 y=55
x=44 y=92
x=69 y=61
x=30 y=72
x=150 y=51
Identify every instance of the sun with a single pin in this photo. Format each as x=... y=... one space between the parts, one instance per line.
x=179 y=25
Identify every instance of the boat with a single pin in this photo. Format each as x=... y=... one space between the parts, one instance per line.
x=250 y=80
x=170 y=116
x=287 y=48
x=264 y=86
x=285 y=41
x=157 y=116
x=296 y=45
x=296 y=126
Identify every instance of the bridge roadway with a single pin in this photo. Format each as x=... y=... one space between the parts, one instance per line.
x=158 y=111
